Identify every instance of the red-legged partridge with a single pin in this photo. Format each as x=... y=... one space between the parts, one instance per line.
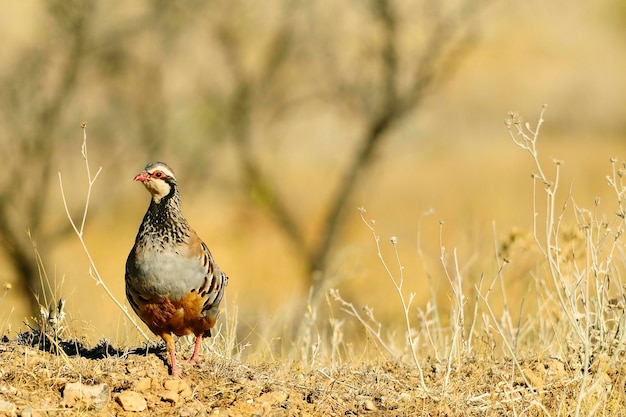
x=172 y=281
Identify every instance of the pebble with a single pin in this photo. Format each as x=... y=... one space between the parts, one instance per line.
x=273 y=398
x=170 y=396
x=93 y=397
x=132 y=401
x=8 y=388
x=180 y=387
x=29 y=412
x=142 y=384
x=369 y=405
x=7 y=407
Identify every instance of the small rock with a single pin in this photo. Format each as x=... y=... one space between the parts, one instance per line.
x=554 y=369
x=170 y=396
x=369 y=405
x=178 y=386
x=273 y=398
x=7 y=407
x=186 y=393
x=29 y=412
x=132 y=369
x=132 y=401
x=172 y=384
x=534 y=379
x=93 y=397
x=8 y=388
x=142 y=384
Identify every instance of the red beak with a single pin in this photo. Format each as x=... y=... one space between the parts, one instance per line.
x=143 y=176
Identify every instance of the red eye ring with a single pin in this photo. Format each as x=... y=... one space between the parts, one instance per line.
x=157 y=174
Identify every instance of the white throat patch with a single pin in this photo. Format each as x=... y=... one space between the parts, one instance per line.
x=158 y=188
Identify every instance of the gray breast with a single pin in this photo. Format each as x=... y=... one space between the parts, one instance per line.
x=160 y=274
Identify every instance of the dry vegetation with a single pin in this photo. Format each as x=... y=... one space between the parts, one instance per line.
x=36 y=380
x=560 y=354
x=505 y=298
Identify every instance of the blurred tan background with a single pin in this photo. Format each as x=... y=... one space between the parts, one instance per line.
x=264 y=109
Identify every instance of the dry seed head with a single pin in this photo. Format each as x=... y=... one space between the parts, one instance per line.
x=514 y=119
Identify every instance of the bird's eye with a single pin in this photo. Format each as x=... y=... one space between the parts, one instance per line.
x=158 y=174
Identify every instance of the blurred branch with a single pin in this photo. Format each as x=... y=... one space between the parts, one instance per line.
x=387 y=113
x=384 y=10
x=38 y=147
x=381 y=103
x=49 y=118
x=248 y=91
x=438 y=61
x=35 y=95
x=436 y=64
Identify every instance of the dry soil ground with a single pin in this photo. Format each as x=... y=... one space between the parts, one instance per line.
x=36 y=380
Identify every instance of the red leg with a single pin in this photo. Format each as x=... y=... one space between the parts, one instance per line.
x=196 y=350
x=171 y=350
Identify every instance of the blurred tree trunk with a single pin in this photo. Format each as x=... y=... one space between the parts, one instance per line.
x=380 y=104
x=24 y=200
x=272 y=65
x=448 y=40
x=35 y=95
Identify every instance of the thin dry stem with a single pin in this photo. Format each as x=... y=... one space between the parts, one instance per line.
x=93 y=269
x=406 y=304
x=582 y=289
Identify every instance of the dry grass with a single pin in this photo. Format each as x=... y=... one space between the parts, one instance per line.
x=473 y=387
x=507 y=318
x=555 y=350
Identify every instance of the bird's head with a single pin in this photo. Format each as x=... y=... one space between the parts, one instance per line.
x=159 y=179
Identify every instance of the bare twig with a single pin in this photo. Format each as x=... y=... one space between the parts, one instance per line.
x=93 y=269
x=368 y=322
